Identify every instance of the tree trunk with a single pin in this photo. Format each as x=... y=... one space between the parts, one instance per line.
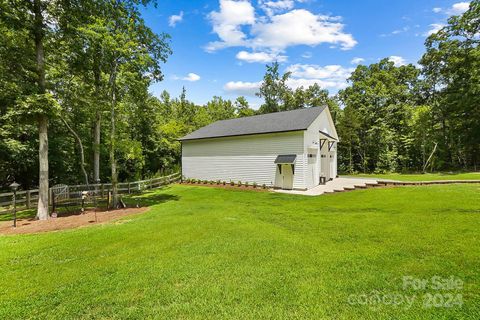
x=96 y=148
x=42 y=210
x=80 y=147
x=97 y=125
x=350 y=164
x=113 y=162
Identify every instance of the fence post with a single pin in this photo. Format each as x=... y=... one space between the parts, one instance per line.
x=53 y=201
x=108 y=199
x=28 y=197
x=102 y=188
x=129 y=188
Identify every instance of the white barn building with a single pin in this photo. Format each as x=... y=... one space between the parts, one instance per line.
x=290 y=150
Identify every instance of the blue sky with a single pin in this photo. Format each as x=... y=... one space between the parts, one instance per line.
x=220 y=47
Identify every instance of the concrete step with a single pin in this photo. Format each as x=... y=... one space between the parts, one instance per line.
x=360 y=186
x=372 y=185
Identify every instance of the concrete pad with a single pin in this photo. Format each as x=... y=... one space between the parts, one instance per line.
x=335 y=185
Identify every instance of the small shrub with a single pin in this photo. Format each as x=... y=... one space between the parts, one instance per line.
x=212 y=182
x=246 y=184
x=232 y=183
x=205 y=181
x=224 y=183
x=239 y=183
x=254 y=184
x=218 y=181
x=264 y=186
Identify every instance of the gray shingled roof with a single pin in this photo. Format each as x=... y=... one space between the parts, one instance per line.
x=294 y=120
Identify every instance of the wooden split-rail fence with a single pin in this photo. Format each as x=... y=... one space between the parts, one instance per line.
x=27 y=199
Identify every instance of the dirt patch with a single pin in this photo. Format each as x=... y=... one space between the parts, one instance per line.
x=226 y=186
x=66 y=222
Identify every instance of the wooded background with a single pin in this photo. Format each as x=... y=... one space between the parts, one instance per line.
x=74 y=99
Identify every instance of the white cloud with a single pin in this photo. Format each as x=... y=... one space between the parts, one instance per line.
x=333 y=77
x=456 y=9
x=174 y=19
x=397 y=61
x=328 y=77
x=192 y=77
x=228 y=21
x=312 y=71
x=434 y=28
x=300 y=27
x=262 y=57
x=357 y=60
x=242 y=88
x=271 y=7
x=236 y=25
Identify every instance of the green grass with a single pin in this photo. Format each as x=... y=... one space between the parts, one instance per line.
x=422 y=177
x=205 y=253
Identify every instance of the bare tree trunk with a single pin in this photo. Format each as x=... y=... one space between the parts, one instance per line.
x=96 y=147
x=113 y=162
x=80 y=147
x=97 y=127
x=429 y=158
x=350 y=164
x=42 y=209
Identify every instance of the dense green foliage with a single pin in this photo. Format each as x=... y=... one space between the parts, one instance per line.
x=100 y=59
x=203 y=252
x=409 y=119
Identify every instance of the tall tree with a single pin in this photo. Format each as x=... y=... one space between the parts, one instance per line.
x=382 y=97
x=134 y=53
x=451 y=68
x=274 y=90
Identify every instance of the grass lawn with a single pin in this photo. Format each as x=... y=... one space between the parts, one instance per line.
x=422 y=177
x=206 y=253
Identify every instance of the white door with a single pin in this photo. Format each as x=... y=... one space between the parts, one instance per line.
x=332 y=165
x=287 y=176
x=325 y=166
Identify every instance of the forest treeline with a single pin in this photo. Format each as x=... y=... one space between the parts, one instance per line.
x=75 y=105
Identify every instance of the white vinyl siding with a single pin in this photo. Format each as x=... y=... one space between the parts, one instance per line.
x=324 y=123
x=245 y=158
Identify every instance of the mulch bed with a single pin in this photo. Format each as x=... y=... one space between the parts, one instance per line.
x=66 y=222
x=227 y=186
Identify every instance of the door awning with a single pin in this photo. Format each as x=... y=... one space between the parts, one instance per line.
x=286 y=159
x=329 y=137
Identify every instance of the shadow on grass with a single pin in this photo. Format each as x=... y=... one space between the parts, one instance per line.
x=140 y=200
x=149 y=199
x=25 y=214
